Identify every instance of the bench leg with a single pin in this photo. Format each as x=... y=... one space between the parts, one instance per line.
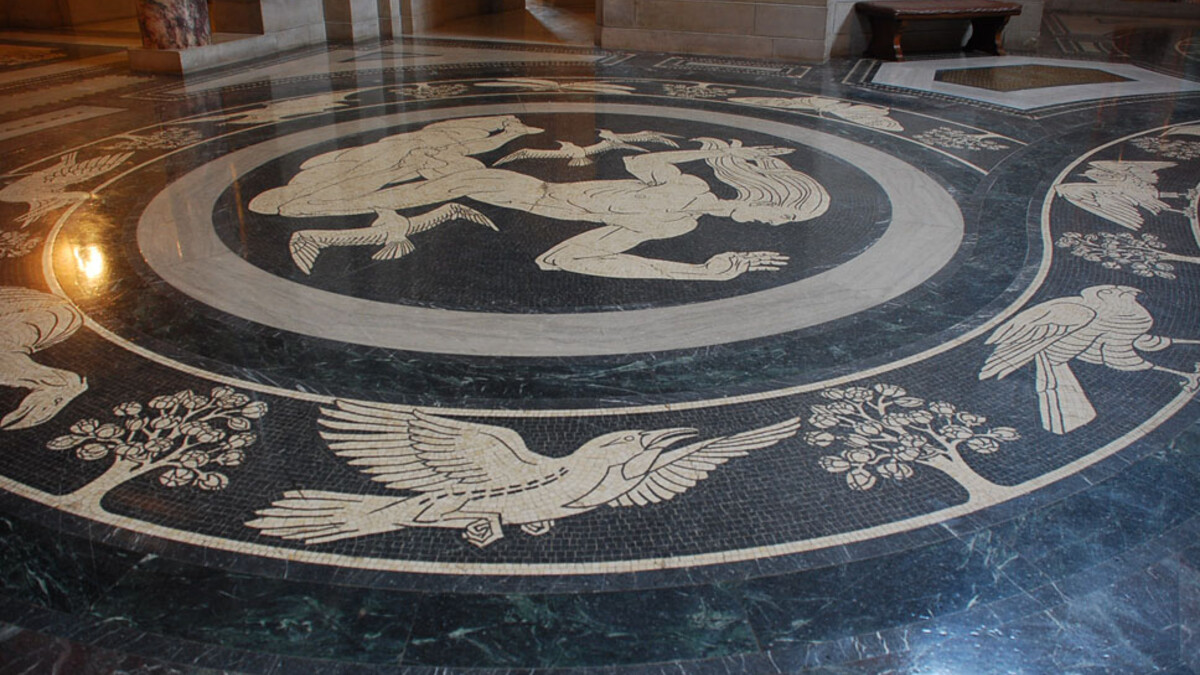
x=885 y=39
x=986 y=35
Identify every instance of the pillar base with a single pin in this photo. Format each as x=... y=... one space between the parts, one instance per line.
x=225 y=50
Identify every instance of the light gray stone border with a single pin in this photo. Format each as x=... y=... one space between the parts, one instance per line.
x=920 y=75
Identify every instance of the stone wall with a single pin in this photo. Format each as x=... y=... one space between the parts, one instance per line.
x=425 y=14
x=351 y=20
x=236 y=16
x=771 y=29
x=62 y=13
x=293 y=23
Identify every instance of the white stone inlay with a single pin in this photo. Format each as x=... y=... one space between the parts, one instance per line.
x=920 y=75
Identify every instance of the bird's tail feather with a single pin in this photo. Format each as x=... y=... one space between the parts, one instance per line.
x=396 y=249
x=305 y=250
x=1061 y=399
x=318 y=517
x=580 y=161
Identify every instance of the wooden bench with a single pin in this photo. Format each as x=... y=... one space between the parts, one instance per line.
x=890 y=17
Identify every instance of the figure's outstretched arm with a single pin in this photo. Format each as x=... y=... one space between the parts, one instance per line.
x=657 y=168
x=602 y=253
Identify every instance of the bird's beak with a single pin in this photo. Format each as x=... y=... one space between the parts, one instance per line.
x=661 y=439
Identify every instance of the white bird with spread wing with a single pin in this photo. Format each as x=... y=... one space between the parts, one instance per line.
x=1118 y=190
x=390 y=232
x=45 y=190
x=581 y=155
x=477 y=477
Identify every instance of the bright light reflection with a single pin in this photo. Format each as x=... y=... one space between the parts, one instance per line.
x=90 y=261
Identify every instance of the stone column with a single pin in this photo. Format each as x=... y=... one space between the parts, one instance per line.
x=174 y=24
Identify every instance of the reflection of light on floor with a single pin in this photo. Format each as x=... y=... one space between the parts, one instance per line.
x=90 y=261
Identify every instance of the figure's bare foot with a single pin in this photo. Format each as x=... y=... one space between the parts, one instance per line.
x=733 y=264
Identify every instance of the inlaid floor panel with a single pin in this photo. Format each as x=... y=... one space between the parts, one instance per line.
x=439 y=354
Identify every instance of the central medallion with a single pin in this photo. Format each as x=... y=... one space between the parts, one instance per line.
x=474 y=231
x=552 y=213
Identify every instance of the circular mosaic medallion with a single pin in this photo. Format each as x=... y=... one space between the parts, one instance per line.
x=593 y=331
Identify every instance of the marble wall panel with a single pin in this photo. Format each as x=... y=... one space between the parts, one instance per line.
x=236 y=16
x=426 y=14
x=64 y=13
x=780 y=29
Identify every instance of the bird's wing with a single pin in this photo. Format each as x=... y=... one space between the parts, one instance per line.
x=1189 y=130
x=1147 y=172
x=522 y=82
x=413 y=450
x=609 y=145
x=529 y=153
x=641 y=137
x=359 y=236
x=68 y=171
x=306 y=245
x=1033 y=331
x=803 y=103
x=676 y=471
x=598 y=87
x=447 y=213
x=1110 y=202
x=868 y=116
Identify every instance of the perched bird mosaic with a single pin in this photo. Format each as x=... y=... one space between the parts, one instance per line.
x=863 y=114
x=46 y=190
x=390 y=231
x=1104 y=325
x=478 y=478
x=31 y=321
x=1120 y=191
x=581 y=155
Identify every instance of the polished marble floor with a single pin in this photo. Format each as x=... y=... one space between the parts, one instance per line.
x=447 y=355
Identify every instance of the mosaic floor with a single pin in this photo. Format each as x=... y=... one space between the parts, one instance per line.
x=517 y=358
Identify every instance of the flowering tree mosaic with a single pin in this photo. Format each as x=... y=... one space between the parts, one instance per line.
x=1169 y=147
x=1143 y=255
x=426 y=91
x=187 y=439
x=883 y=433
x=163 y=139
x=700 y=90
x=17 y=244
x=957 y=139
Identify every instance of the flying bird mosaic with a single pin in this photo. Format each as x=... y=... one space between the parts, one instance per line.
x=46 y=190
x=479 y=478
